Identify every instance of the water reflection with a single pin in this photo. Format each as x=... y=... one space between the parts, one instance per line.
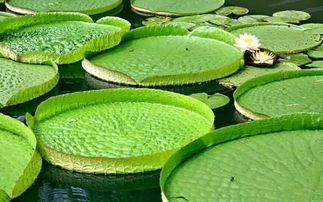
x=59 y=185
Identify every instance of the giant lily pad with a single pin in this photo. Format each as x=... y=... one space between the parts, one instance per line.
x=277 y=159
x=167 y=55
x=280 y=94
x=58 y=37
x=280 y=38
x=117 y=130
x=19 y=161
x=84 y=6
x=22 y=82
x=250 y=72
x=176 y=8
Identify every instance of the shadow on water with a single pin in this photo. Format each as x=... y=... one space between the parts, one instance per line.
x=58 y=185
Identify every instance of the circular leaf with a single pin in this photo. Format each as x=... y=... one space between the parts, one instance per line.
x=299 y=15
x=145 y=60
x=117 y=130
x=280 y=38
x=267 y=160
x=280 y=94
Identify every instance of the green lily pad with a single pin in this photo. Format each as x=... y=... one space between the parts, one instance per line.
x=184 y=25
x=214 y=101
x=58 y=37
x=176 y=8
x=4 y=15
x=156 y=20
x=235 y=10
x=143 y=58
x=299 y=15
x=112 y=126
x=22 y=82
x=83 y=6
x=209 y=19
x=248 y=19
x=280 y=94
x=316 y=54
x=314 y=28
x=281 y=19
x=266 y=160
x=280 y=38
x=19 y=162
x=298 y=59
x=250 y=72
x=316 y=64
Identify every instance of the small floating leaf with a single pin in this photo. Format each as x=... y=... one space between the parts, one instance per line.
x=214 y=101
x=298 y=59
x=280 y=94
x=235 y=10
x=316 y=54
x=281 y=19
x=175 y=7
x=316 y=64
x=250 y=72
x=156 y=20
x=248 y=19
x=122 y=130
x=279 y=38
x=314 y=28
x=299 y=15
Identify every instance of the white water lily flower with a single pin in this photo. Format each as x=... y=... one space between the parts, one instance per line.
x=248 y=42
x=263 y=57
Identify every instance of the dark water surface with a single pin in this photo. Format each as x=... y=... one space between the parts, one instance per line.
x=58 y=185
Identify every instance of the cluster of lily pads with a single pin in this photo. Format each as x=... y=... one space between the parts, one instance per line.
x=136 y=128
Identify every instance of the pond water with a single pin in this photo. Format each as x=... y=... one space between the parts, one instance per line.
x=57 y=185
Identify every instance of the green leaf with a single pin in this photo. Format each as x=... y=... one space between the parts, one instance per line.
x=143 y=58
x=299 y=15
x=176 y=8
x=235 y=10
x=316 y=64
x=117 y=141
x=83 y=6
x=280 y=38
x=298 y=59
x=281 y=94
x=314 y=28
x=250 y=72
x=58 y=37
x=22 y=82
x=281 y=19
x=316 y=54
x=248 y=19
x=19 y=162
x=266 y=160
x=156 y=20
x=214 y=101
